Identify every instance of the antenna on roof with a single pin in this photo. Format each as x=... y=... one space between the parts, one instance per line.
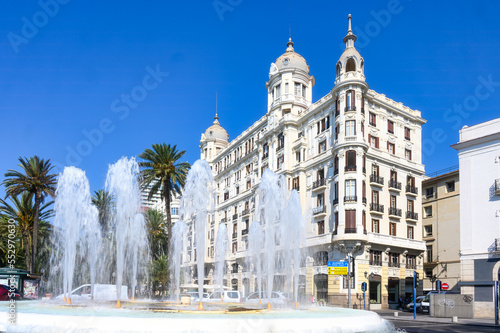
x=289 y=24
x=216 y=117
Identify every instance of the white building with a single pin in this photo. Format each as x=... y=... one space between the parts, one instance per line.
x=479 y=158
x=354 y=156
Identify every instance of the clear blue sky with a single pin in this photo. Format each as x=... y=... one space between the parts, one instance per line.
x=66 y=73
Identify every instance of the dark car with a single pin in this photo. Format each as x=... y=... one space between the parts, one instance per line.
x=6 y=294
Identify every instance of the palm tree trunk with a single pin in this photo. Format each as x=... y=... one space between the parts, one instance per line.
x=166 y=194
x=27 y=249
x=38 y=198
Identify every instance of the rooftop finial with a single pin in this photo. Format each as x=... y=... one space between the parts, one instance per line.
x=349 y=30
x=289 y=24
x=216 y=118
x=350 y=38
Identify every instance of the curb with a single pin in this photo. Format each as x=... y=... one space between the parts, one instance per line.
x=439 y=322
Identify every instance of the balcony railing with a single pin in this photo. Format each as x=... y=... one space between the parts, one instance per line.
x=377 y=207
x=394 y=264
x=245 y=211
x=376 y=179
x=350 y=230
x=394 y=184
x=411 y=189
x=319 y=210
x=244 y=232
x=411 y=266
x=235 y=216
x=235 y=235
x=350 y=198
x=350 y=168
x=319 y=183
x=375 y=262
x=336 y=201
x=350 y=108
x=223 y=220
x=497 y=186
x=395 y=211
x=264 y=156
x=364 y=200
x=412 y=215
x=278 y=149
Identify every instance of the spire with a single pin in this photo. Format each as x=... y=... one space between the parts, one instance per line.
x=216 y=118
x=289 y=45
x=350 y=38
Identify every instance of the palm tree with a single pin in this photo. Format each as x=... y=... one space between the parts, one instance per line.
x=157 y=235
x=104 y=203
x=22 y=212
x=38 y=182
x=162 y=173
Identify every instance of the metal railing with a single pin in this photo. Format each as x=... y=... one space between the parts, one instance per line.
x=235 y=234
x=319 y=210
x=394 y=184
x=335 y=201
x=377 y=207
x=245 y=211
x=394 y=264
x=412 y=215
x=235 y=216
x=319 y=183
x=395 y=211
x=350 y=198
x=350 y=168
x=376 y=179
x=411 y=189
x=244 y=232
x=375 y=262
x=223 y=220
x=364 y=200
x=350 y=230
x=350 y=108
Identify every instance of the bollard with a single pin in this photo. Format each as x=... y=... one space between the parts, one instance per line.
x=296 y=304
x=200 y=306
x=260 y=301
x=269 y=306
x=69 y=301
x=396 y=314
x=118 y=304
x=454 y=319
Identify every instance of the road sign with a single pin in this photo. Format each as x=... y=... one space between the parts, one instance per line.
x=445 y=286
x=337 y=264
x=337 y=270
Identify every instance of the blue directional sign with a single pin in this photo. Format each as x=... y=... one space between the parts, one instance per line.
x=337 y=264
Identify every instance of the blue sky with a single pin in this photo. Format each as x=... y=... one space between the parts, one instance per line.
x=66 y=70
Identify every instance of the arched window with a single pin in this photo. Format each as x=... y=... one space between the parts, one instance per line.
x=339 y=67
x=350 y=65
x=320 y=258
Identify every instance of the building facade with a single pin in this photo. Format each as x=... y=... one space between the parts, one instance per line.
x=441 y=230
x=354 y=156
x=479 y=159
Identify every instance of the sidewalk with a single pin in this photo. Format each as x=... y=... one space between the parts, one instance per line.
x=402 y=315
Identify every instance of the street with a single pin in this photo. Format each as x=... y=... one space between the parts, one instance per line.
x=424 y=327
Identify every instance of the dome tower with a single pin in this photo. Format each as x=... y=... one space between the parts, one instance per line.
x=213 y=140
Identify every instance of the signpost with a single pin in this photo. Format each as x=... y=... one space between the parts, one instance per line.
x=342 y=268
x=445 y=286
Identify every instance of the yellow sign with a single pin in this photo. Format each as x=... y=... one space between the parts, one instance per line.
x=337 y=270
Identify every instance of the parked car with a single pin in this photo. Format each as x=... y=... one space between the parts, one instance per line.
x=6 y=294
x=422 y=304
x=102 y=292
x=277 y=297
x=227 y=296
x=195 y=296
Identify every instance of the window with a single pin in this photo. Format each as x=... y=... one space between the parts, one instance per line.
x=286 y=88
x=320 y=258
x=226 y=196
x=322 y=146
x=429 y=253
x=393 y=259
x=408 y=154
x=450 y=186
x=428 y=230
x=393 y=201
x=350 y=128
x=350 y=221
x=297 y=87
x=407 y=133
x=350 y=66
x=237 y=190
x=320 y=200
x=336 y=193
x=392 y=229
x=279 y=162
x=321 y=227
x=281 y=141
x=350 y=187
x=174 y=210
x=345 y=282
x=350 y=101
x=373 y=119
x=391 y=148
x=390 y=126
x=278 y=91
x=375 y=258
x=337 y=131
x=249 y=184
x=297 y=157
x=429 y=192
x=411 y=262
x=323 y=124
x=376 y=226
x=373 y=140
x=410 y=205
x=428 y=211
x=428 y=273
x=375 y=170
x=394 y=176
x=411 y=235
x=235 y=247
x=350 y=160
x=375 y=197
x=265 y=151
x=295 y=183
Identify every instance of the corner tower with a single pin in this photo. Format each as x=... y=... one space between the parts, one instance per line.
x=213 y=140
x=290 y=86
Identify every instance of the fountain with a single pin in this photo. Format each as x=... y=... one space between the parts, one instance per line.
x=275 y=239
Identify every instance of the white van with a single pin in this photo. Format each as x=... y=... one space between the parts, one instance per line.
x=227 y=296
x=102 y=292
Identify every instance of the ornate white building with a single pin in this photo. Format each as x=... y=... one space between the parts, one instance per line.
x=354 y=156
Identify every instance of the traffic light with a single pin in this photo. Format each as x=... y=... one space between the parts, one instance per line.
x=438 y=285
x=352 y=267
x=416 y=279
x=363 y=286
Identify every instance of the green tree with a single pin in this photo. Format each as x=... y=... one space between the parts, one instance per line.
x=158 y=247
x=104 y=203
x=38 y=182
x=22 y=211
x=162 y=173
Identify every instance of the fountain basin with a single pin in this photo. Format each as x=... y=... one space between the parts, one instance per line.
x=161 y=317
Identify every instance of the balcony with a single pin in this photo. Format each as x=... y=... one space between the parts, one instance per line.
x=336 y=201
x=394 y=264
x=244 y=232
x=235 y=235
x=264 y=156
x=375 y=263
x=376 y=180
x=350 y=230
x=319 y=210
x=497 y=186
x=411 y=266
x=350 y=108
x=395 y=212
x=245 y=211
x=394 y=185
x=223 y=220
x=350 y=198
x=412 y=190
x=279 y=149
x=235 y=216
x=364 y=200
x=319 y=183
x=411 y=216
x=376 y=208
x=350 y=168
